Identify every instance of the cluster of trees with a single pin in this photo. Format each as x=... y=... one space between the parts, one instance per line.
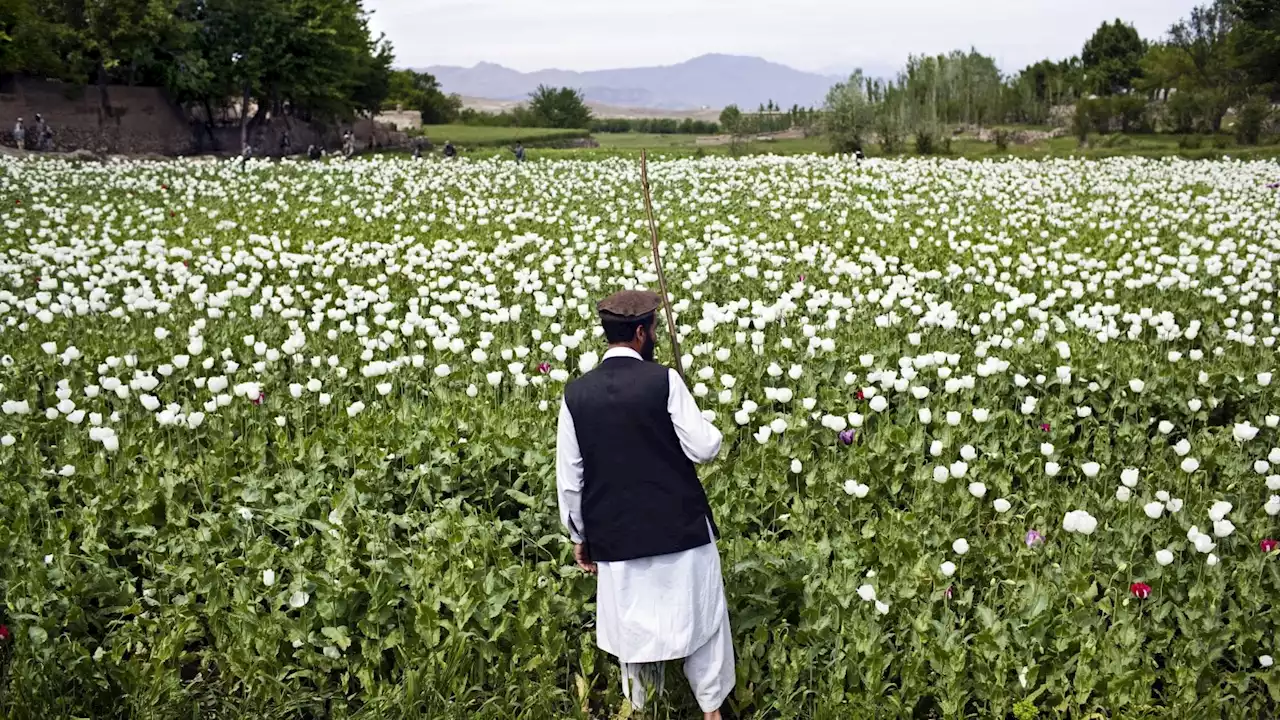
x=660 y=126
x=1225 y=55
x=421 y=91
x=548 y=107
x=769 y=118
x=312 y=58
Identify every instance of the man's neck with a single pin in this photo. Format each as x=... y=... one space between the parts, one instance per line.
x=624 y=349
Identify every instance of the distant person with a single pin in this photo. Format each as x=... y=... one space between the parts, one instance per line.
x=313 y=151
x=417 y=150
x=246 y=153
x=519 y=151
x=44 y=134
x=857 y=155
x=348 y=144
x=19 y=135
x=449 y=150
x=286 y=144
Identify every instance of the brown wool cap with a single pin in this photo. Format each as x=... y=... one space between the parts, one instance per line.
x=629 y=304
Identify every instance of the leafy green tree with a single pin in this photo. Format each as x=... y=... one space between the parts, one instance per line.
x=1198 y=60
x=421 y=92
x=1112 y=58
x=848 y=114
x=1256 y=41
x=559 y=107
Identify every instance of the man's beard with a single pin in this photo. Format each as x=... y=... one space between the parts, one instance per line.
x=646 y=351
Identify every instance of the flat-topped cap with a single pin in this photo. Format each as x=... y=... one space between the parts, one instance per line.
x=629 y=305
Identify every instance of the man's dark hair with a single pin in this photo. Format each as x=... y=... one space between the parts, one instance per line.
x=621 y=330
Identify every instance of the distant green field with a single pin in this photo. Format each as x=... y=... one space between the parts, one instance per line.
x=475 y=136
x=644 y=140
x=489 y=141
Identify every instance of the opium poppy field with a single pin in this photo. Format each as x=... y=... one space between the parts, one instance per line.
x=1000 y=438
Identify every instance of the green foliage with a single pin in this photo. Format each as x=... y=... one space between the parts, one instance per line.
x=559 y=108
x=731 y=119
x=848 y=114
x=655 y=126
x=1256 y=42
x=422 y=532
x=1251 y=119
x=1182 y=111
x=310 y=57
x=1082 y=121
x=480 y=136
x=1100 y=113
x=926 y=142
x=1112 y=57
x=421 y=91
x=1035 y=90
x=1129 y=112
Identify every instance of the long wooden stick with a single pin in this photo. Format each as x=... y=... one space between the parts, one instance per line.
x=657 y=262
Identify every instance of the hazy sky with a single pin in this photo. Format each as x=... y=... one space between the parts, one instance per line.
x=807 y=34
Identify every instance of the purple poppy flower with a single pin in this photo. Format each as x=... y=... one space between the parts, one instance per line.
x=846 y=437
x=1033 y=538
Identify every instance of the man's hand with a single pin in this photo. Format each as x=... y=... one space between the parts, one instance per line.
x=584 y=562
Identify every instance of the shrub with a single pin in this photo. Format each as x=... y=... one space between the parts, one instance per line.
x=925 y=142
x=1251 y=119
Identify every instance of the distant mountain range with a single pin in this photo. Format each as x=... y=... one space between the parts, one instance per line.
x=709 y=81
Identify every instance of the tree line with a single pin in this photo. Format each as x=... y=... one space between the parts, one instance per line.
x=1225 y=55
x=313 y=59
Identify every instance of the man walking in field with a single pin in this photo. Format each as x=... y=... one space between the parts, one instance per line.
x=19 y=135
x=629 y=435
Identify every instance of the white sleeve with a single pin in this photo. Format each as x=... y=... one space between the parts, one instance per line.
x=699 y=439
x=569 y=475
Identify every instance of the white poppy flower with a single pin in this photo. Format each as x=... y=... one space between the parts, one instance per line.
x=1153 y=510
x=1244 y=432
x=1164 y=557
x=960 y=546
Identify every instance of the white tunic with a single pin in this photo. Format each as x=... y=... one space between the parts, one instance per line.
x=656 y=608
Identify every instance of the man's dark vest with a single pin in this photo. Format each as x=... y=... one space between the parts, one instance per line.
x=641 y=496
